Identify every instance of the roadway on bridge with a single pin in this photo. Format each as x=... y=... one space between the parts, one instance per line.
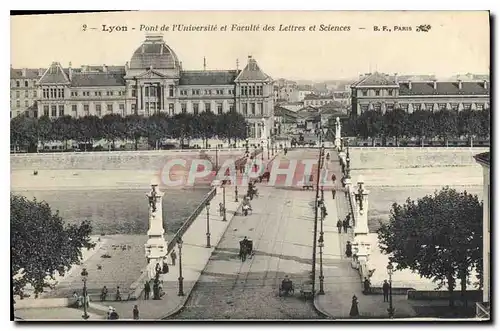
x=281 y=227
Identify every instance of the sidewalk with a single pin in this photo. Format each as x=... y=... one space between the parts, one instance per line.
x=341 y=281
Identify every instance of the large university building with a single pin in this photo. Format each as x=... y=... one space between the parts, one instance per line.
x=377 y=91
x=153 y=81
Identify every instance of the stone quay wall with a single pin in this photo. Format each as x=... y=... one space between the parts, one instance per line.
x=412 y=157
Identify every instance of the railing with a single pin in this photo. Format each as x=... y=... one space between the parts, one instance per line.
x=483 y=310
x=159 y=151
x=178 y=235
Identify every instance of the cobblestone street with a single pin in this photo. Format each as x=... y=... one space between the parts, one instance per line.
x=281 y=231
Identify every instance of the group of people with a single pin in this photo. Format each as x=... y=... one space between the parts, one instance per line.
x=104 y=294
x=344 y=224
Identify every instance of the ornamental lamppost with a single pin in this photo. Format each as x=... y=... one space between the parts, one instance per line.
x=85 y=275
x=224 y=202
x=236 y=192
x=181 y=279
x=268 y=143
x=216 y=157
x=262 y=152
x=321 y=245
x=208 y=224
x=246 y=148
x=390 y=271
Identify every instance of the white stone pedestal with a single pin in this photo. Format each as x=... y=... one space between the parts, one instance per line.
x=156 y=246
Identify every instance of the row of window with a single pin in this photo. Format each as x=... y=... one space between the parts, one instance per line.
x=26 y=94
x=252 y=90
x=98 y=93
x=317 y=102
x=426 y=106
x=377 y=93
x=52 y=110
x=53 y=93
x=26 y=83
x=205 y=92
x=255 y=109
x=26 y=103
x=154 y=91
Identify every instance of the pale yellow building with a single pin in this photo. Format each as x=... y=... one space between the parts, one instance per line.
x=382 y=92
x=152 y=81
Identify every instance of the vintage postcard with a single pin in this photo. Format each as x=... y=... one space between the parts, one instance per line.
x=250 y=165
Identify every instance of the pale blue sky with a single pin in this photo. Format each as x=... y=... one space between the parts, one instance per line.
x=457 y=43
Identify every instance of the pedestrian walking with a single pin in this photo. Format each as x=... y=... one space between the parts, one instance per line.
x=135 y=312
x=385 y=289
x=165 y=267
x=104 y=293
x=147 y=290
x=348 y=249
x=323 y=211
x=345 y=224
x=173 y=256
x=366 y=286
x=354 y=307
x=221 y=209
x=333 y=193
x=339 y=226
x=118 y=294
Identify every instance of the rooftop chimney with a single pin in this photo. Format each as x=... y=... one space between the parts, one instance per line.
x=104 y=68
x=485 y=83
x=24 y=72
x=396 y=78
x=126 y=65
x=40 y=72
x=70 y=71
x=409 y=84
x=460 y=84
x=434 y=82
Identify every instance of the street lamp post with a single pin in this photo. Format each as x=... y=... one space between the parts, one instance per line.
x=390 y=271
x=268 y=142
x=208 y=224
x=235 y=192
x=321 y=244
x=246 y=147
x=262 y=146
x=224 y=203
x=85 y=275
x=216 y=157
x=181 y=279
x=315 y=235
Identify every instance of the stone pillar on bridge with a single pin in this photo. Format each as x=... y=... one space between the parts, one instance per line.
x=337 y=133
x=361 y=245
x=156 y=246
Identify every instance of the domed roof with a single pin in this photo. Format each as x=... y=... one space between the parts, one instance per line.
x=155 y=53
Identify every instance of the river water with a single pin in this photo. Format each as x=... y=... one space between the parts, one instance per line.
x=118 y=210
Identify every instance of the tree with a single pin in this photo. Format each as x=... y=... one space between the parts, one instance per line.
x=422 y=124
x=182 y=128
x=446 y=124
x=207 y=121
x=135 y=127
x=113 y=128
x=469 y=124
x=41 y=243
x=370 y=125
x=396 y=123
x=485 y=115
x=63 y=129
x=439 y=236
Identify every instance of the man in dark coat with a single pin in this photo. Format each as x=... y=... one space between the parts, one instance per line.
x=147 y=290
x=354 y=307
x=385 y=289
x=135 y=312
x=346 y=223
x=366 y=286
x=339 y=225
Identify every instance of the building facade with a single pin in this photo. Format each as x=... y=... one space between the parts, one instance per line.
x=153 y=81
x=484 y=307
x=382 y=92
